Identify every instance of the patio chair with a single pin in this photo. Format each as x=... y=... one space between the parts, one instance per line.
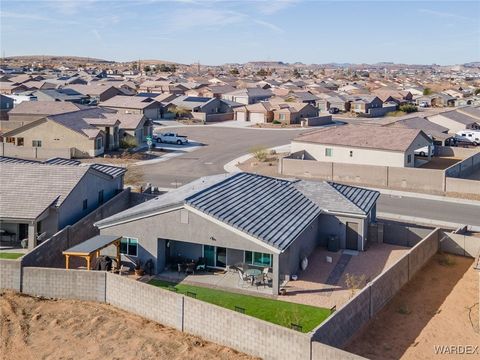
x=190 y=269
x=201 y=265
x=124 y=270
x=265 y=277
x=242 y=277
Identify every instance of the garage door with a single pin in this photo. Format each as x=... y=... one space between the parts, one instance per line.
x=257 y=118
x=240 y=115
x=352 y=236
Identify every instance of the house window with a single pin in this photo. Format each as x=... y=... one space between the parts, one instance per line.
x=281 y=116
x=328 y=152
x=409 y=159
x=100 y=197
x=85 y=204
x=257 y=259
x=36 y=143
x=20 y=141
x=99 y=143
x=129 y=246
x=10 y=139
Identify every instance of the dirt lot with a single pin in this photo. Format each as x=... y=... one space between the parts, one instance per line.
x=268 y=167
x=439 y=163
x=120 y=158
x=438 y=307
x=35 y=328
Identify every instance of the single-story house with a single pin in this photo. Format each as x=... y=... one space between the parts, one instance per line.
x=64 y=94
x=365 y=104
x=438 y=133
x=457 y=120
x=248 y=96
x=245 y=218
x=203 y=108
x=362 y=144
x=6 y=104
x=146 y=106
x=96 y=92
x=41 y=198
x=268 y=111
x=135 y=126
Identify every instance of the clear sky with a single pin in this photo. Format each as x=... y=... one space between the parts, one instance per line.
x=216 y=32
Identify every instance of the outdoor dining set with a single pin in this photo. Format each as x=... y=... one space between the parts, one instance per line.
x=252 y=276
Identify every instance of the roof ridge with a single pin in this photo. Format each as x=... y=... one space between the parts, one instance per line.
x=331 y=183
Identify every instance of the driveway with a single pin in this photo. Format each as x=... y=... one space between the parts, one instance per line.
x=221 y=145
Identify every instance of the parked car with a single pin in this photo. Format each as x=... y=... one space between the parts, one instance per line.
x=170 y=138
x=424 y=104
x=424 y=151
x=334 y=110
x=468 y=136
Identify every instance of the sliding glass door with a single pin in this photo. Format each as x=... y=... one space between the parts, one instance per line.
x=215 y=256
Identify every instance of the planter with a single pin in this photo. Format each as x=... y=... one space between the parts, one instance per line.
x=283 y=292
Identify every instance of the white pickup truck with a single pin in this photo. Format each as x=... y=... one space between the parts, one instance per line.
x=170 y=138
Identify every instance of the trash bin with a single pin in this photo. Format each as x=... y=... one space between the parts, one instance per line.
x=333 y=244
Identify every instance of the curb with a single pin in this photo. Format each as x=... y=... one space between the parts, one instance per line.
x=419 y=220
x=398 y=193
x=232 y=167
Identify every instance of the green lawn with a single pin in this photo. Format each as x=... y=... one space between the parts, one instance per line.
x=278 y=312
x=10 y=255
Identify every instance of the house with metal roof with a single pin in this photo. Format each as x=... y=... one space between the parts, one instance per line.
x=467 y=118
x=240 y=218
x=40 y=198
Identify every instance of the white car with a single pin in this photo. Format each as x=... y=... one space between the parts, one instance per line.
x=424 y=151
x=468 y=136
x=170 y=138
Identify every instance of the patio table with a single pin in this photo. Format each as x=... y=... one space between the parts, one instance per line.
x=252 y=273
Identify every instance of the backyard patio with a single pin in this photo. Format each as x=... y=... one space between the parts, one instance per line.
x=327 y=284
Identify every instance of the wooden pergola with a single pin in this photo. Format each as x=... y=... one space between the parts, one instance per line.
x=92 y=247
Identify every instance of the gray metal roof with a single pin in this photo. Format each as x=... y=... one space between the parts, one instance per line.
x=363 y=198
x=61 y=161
x=10 y=160
x=93 y=244
x=266 y=208
x=110 y=170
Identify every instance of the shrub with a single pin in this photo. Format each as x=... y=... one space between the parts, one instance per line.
x=128 y=142
x=427 y=91
x=260 y=153
x=446 y=260
x=276 y=122
x=408 y=108
x=354 y=282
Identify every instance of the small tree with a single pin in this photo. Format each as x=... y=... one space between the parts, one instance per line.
x=262 y=72
x=147 y=68
x=179 y=111
x=427 y=91
x=296 y=73
x=234 y=71
x=354 y=282
x=408 y=108
x=260 y=153
x=477 y=91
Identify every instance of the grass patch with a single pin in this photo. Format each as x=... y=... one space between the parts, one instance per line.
x=10 y=255
x=278 y=312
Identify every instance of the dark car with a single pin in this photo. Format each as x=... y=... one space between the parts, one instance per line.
x=334 y=110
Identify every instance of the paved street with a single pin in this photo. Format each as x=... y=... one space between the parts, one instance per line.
x=221 y=146
x=430 y=209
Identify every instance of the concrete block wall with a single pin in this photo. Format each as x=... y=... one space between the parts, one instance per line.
x=323 y=352
x=151 y=302
x=460 y=244
x=66 y=284
x=401 y=234
x=10 y=274
x=346 y=321
x=463 y=186
x=244 y=333
x=387 y=284
x=351 y=317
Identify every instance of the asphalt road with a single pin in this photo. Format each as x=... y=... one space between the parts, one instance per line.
x=430 y=209
x=223 y=145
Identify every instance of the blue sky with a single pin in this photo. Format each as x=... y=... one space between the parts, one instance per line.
x=216 y=31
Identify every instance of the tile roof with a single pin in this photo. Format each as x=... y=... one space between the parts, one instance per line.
x=274 y=211
x=129 y=102
x=364 y=136
x=46 y=107
x=460 y=117
x=28 y=189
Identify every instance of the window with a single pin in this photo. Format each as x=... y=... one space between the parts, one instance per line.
x=328 y=152
x=36 y=143
x=85 y=204
x=10 y=139
x=281 y=116
x=98 y=143
x=258 y=259
x=409 y=159
x=129 y=246
x=20 y=141
x=351 y=153
x=100 y=197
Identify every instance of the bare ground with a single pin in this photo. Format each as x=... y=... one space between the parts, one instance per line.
x=438 y=307
x=37 y=328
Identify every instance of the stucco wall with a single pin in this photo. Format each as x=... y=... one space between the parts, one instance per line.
x=460 y=244
x=10 y=274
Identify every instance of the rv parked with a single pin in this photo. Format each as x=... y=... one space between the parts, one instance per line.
x=468 y=136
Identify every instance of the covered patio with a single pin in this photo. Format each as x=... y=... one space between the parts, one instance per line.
x=91 y=248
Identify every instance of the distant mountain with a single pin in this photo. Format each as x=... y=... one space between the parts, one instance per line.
x=56 y=58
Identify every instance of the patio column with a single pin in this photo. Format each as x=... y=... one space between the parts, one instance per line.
x=32 y=235
x=275 y=274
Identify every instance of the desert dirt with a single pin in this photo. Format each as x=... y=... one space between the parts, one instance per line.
x=438 y=307
x=37 y=328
